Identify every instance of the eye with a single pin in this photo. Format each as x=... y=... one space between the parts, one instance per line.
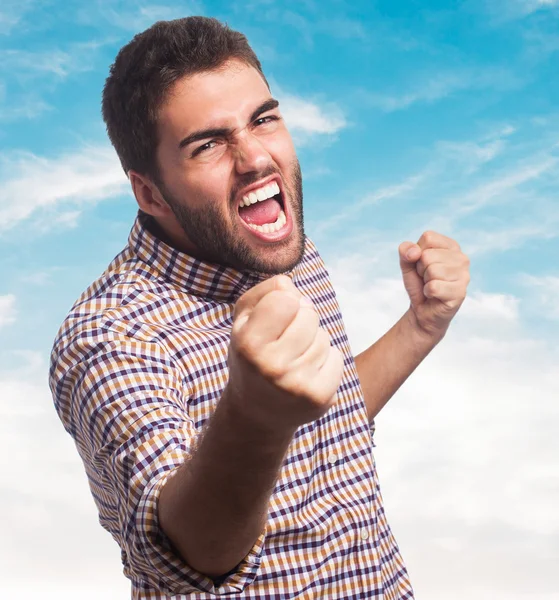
x=207 y=146
x=266 y=119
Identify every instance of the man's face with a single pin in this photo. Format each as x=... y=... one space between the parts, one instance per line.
x=229 y=171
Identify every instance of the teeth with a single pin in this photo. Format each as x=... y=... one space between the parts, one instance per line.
x=271 y=227
x=263 y=193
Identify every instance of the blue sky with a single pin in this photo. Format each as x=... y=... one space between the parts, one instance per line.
x=407 y=116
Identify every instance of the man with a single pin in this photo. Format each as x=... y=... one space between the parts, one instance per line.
x=206 y=377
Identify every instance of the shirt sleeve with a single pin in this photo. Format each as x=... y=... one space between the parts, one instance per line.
x=372 y=429
x=124 y=402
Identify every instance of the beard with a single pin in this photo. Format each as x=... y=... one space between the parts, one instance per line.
x=218 y=236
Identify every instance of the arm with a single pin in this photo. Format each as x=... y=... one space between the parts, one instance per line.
x=125 y=402
x=215 y=507
x=436 y=274
x=384 y=366
x=283 y=373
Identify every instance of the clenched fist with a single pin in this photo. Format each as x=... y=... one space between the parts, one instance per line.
x=283 y=372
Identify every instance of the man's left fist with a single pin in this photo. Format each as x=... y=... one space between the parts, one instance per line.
x=436 y=274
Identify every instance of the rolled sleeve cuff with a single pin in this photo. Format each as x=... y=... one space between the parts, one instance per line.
x=167 y=570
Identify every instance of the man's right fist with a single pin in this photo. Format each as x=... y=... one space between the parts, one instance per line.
x=283 y=372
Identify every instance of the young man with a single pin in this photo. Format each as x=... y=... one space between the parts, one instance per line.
x=206 y=377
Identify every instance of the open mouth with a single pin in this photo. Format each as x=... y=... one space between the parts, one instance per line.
x=264 y=212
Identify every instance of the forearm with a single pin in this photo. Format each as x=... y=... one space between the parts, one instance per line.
x=216 y=505
x=385 y=365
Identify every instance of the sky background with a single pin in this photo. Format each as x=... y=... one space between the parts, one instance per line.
x=407 y=116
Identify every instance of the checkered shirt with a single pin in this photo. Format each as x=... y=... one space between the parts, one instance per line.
x=138 y=367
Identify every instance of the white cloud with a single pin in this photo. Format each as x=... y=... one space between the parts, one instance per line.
x=466 y=449
x=384 y=193
x=25 y=108
x=32 y=183
x=504 y=183
x=506 y=130
x=53 y=62
x=7 y=310
x=479 y=241
x=11 y=13
x=28 y=73
x=545 y=291
x=432 y=88
x=526 y=174
x=507 y=10
x=530 y=6
x=540 y=40
x=307 y=118
x=45 y=493
x=136 y=18
x=40 y=278
x=472 y=154
x=464 y=452
x=443 y=179
x=491 y=193
x=68 y=219
x=480 y=305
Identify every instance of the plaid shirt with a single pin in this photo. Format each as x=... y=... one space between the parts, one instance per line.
x=137 y=369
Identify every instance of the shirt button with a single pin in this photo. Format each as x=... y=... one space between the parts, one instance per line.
x=332 y=458
x=364 y=534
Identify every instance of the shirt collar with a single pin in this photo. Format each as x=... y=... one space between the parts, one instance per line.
x=208 y=280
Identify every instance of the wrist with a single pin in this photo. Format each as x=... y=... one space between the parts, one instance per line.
x=248 y=423
x=421 y=337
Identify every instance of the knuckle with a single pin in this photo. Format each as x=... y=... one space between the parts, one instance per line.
x=429 y=273
x=301 y=389
x=298 y=386
x=428 y=235
x=430 y=288
x=283 y=282
x=244 y=345
x=281 y=298
x=275 y=295
x=273 y=369
x=427 y=256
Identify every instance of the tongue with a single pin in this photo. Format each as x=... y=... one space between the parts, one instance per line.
x=260 y=213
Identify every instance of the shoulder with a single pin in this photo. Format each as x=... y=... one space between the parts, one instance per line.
x=129 y=300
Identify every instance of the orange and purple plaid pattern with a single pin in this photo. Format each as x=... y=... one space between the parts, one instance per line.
x=137 y=369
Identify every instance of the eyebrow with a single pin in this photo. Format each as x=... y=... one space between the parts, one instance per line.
x=222 y=132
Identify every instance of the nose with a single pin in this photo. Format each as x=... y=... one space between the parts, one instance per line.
x=250 y=154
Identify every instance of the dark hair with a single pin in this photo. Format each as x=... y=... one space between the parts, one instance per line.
x=148 y=66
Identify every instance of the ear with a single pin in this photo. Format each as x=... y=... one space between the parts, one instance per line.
x=148 y=196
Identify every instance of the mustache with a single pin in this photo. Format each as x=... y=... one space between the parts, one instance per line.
x=250 y=178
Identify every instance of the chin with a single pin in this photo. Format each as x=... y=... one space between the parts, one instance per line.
x=275 y=261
